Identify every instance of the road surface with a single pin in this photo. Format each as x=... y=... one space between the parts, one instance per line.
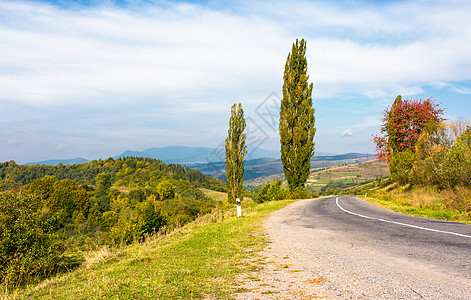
x=345 y=248
x=443 y=245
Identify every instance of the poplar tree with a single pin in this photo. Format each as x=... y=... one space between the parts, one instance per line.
x=297 y=119
x=235 y=154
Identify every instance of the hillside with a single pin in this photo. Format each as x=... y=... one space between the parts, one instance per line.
x=129 y=171
x=51 y=214
x=341 y=178
x=347 y=176
x=258 y=169
x=201 y=260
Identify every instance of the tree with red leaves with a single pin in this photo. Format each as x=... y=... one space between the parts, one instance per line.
x=403 y=123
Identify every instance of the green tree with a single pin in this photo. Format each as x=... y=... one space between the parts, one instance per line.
x=455 y=168
x=29 y=249
x=103 y=181
x=297 y=119
x=150 y=219
x=235 y=154
x=166 y=190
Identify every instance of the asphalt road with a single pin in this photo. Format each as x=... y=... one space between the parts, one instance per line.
x=445 y=246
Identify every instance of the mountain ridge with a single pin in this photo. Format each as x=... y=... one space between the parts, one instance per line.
x=184 y=155
x=211 y=161
x=55 y=162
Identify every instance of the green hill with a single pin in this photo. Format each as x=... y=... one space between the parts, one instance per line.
x=198 y=261
x=51 y=214
x=124 y=171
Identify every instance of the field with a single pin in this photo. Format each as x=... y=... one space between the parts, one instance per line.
x=214 y=195
x=348 y=175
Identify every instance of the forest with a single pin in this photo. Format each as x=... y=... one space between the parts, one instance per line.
x=51 y=214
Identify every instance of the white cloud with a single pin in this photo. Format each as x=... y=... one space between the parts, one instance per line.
x=454 y=87
x=347 y=132
x=371 y=121
x=112 y=54
x=172 y=70
x=11 y=142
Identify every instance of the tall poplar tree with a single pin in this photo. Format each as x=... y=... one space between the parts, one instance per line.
x=235 y=154
x=297 y=119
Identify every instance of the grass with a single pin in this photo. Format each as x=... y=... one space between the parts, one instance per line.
x=215 y=195
x=200 y=260
x=448 y=205
x=122 y=189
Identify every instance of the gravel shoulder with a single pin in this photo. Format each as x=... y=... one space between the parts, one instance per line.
x=309 y=263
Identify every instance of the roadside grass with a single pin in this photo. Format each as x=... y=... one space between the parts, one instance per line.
x=199 y=260
x=448 y=205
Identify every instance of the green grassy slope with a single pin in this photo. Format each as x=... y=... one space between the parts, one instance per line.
x=199 y=260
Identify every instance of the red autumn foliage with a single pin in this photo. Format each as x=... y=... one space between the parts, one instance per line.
x=403 y=123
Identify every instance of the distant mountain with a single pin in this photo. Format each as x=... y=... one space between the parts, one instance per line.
x=173 y=154
x=184 y=155
x=202 y=155
x=192 y=155
x=345 y=156
x=55 y=162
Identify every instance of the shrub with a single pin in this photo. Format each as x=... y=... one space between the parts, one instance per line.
x=166 y=190
x=401 y=165
x=29 y=250
x=456 y=165
x=150 y=219
x=271 y=191
x=262 y=195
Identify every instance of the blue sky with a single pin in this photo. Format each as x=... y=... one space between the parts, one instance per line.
x=94 y=78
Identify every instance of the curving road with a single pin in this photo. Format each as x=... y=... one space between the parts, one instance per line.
x=443 y=246
x=345 y=248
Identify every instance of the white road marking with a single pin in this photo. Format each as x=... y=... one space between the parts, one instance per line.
x=398 y=223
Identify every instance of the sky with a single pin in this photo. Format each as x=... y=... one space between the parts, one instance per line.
x=94 y=78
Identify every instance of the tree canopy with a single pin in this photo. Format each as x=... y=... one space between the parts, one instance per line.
x=403 y=123
x=235 y=154
x=296 y=126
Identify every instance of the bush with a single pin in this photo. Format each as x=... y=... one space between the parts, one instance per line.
x=166 y=190
x=300 y=193
x=401 y=166
x=29 y=250
x=456 y=165
x=271 y=191
x=150 y=219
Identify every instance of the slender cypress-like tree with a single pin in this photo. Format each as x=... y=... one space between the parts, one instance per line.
x=235 y=154
x=297 y=119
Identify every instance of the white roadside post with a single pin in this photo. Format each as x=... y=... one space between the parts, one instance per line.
x=239 y=208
